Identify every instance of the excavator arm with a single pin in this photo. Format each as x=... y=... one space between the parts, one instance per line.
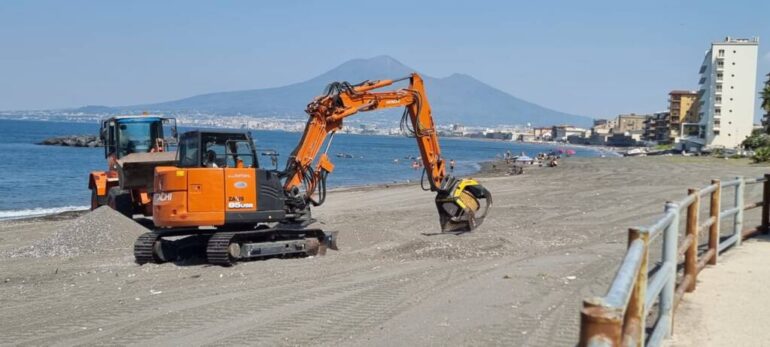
x=459 y=201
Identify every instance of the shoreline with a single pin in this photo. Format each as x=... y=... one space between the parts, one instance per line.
x=486 y=169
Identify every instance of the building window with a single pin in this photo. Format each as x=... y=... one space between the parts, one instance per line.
x=721 y=53
x=733 y=63
x=716 y=132
x=733 y=75
x=717 y=111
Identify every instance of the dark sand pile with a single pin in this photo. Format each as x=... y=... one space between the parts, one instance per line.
x=98 y=231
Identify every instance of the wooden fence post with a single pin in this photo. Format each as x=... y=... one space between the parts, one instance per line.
x=739 y=204
x=714 y=210
x=691 y=255
x=766 y=205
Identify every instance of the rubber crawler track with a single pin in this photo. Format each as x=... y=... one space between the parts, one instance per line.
x=143 y=248
x=217 y=249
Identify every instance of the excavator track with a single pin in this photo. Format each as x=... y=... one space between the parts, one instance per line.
x=144 y=248
x=225 y=248
x=218 y=248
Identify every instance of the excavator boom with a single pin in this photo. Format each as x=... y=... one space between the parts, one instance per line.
x=462 y=203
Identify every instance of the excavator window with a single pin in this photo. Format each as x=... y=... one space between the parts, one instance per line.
x=239 y=154
x=216 y=150
x=188 y=151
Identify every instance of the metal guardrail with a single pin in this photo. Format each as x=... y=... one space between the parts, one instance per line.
x=620 y=317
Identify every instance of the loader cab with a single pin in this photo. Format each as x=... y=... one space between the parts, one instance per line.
x=125 y=135
x=216 y=149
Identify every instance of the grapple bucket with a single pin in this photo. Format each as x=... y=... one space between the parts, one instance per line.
x=464 y=206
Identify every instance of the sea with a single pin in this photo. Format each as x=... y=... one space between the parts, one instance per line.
x=38 y=180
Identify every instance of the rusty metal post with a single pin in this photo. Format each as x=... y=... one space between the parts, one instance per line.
x=691 y=255
x=766 y=205
x=600 y=325
x=714 y=210
x=635 y=312
x=739 y=203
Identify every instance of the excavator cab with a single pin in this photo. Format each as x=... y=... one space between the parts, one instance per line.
x=216 y=182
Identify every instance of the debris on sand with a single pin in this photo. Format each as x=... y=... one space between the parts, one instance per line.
x=98 y=231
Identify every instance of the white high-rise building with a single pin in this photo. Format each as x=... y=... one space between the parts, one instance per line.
x=727 y=93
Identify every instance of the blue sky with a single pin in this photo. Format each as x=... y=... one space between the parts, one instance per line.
x=595 y=58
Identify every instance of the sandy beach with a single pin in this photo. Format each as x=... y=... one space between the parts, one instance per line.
x=554 y=237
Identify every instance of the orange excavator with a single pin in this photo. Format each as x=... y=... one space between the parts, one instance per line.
x=219 y=192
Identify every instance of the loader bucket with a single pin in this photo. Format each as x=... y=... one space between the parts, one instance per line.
x=137 y=170
x=464 y=206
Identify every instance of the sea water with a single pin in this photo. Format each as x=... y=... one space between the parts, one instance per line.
x=39 y=180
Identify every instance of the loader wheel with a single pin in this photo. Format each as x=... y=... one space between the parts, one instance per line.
x=97 y=201
x=120 y=200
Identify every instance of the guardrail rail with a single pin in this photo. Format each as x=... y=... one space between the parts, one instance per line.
x=638 y=291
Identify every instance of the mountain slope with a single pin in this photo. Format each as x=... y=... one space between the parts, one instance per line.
x=457 y=98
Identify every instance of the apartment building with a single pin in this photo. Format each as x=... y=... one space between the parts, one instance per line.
x=657 y=128
x=626 y=123
x=682 y=108
x=727 y=93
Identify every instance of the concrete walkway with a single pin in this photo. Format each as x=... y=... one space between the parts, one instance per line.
x=731 y=305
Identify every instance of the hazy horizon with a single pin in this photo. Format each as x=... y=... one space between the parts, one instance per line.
x=597 y=59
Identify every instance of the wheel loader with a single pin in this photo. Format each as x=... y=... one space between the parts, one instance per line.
x=218 y=193
x=133 y=147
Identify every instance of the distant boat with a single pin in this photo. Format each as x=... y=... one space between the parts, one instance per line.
x=344 y=155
